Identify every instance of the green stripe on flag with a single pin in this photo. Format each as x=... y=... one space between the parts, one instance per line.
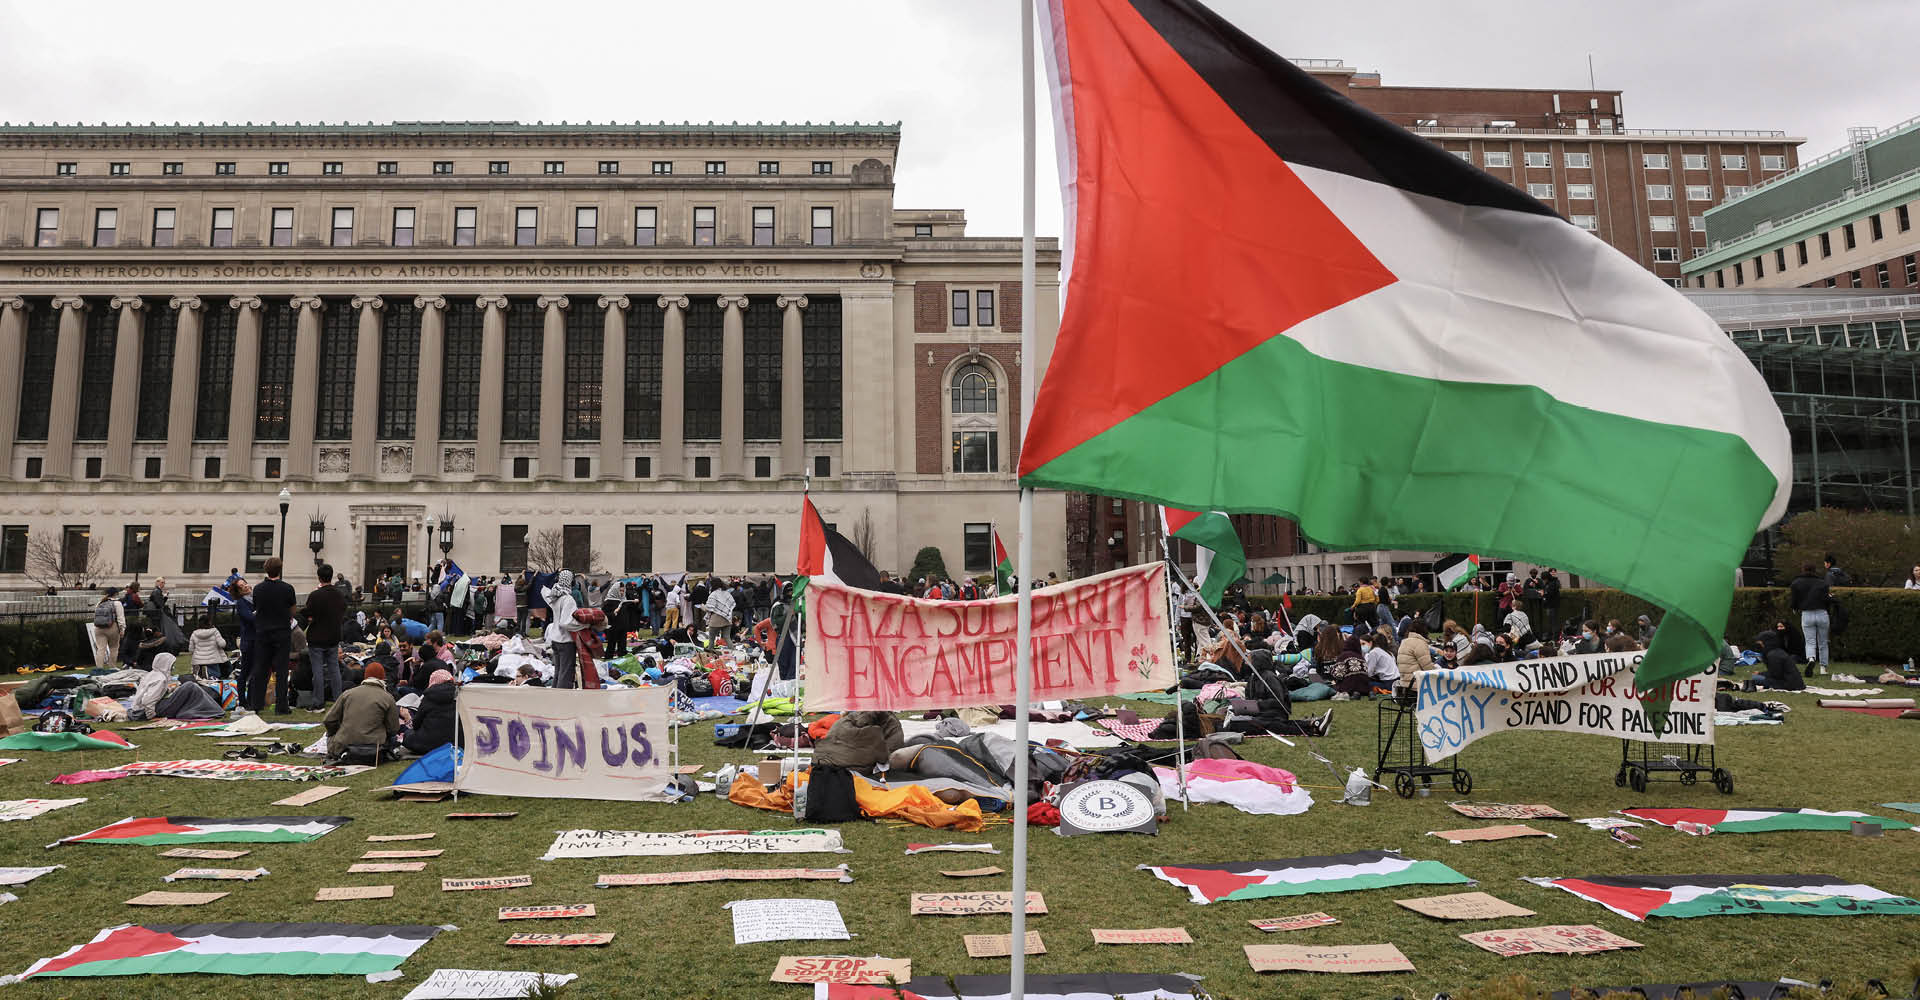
x=1417 y=873
x=280 y=836
x=1803 y=821
x=1794 y=902
x=281 y=963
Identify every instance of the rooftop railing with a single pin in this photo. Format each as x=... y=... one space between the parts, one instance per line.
x=1566 y=130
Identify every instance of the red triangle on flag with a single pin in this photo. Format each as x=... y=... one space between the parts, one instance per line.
x=812 y=560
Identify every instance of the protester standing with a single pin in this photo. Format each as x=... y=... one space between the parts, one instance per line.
x=1812 y=597
x=559 y=600
x=324 y=612
x=208 y=649
x=109 y=626
x=273 y=603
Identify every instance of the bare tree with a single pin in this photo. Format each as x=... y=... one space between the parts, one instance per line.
x=49 y=566
x=547 y=553
x=861 y=534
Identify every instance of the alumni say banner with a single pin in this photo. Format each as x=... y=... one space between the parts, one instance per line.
x=563 y=744
x=1591 y=693
x=1103 y=635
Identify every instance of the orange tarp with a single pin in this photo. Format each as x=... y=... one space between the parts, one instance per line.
x=913 y=803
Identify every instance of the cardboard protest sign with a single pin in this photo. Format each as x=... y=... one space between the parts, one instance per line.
x=508 y=815
x=1465 y=906
x=849 y=969
x=1102 y=635
x=472 y=984
x=1557 y=939
x=1503 y=810
x=386 y=866
x=634 y=843
x=1000 y=945
x=311 y=795
x=496 y=882
x=838 y=874
x=1150 y=935
x=756 y=920
x=378 y=855
x=554 y=912
x=975 y=872
x=1295 y=923
x=241 y=874
x=379 y=838
x=1329 y=958
x=969 y=904
x=1478 y=833
x=1591 y=693
x=562 y=940
x=563 y=744
x=157 y=898
x=16 y=809
x=353 y=892
x=21 y=876
x=204 y=853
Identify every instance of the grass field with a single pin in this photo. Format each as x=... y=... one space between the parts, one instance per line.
x=675 y=941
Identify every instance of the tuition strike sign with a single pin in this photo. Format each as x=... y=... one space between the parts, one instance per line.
x=1103 y=635
x=1592 y=693
x=563 y=744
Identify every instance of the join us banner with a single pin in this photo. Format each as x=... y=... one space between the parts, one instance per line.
x=1103 y=635
x=563 y=744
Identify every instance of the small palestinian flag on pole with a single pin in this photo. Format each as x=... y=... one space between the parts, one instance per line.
x=1002 y=567
x=149 y=831
x=828 y=554
x=1763 y=820
x=1218 y=558
x=1450 y=572
x=239 y=950
x=1638 y=897
x=1304 y=876
x=1073 y=986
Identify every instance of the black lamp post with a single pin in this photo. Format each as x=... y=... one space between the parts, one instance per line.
x=316 y=536
x=286 y=498
x=427 y=567
x=446 y=534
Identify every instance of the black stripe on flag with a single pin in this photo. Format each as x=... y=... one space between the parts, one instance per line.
x=1304 y=121
x=848 y=564
x=1284 y=864
x=410 y=932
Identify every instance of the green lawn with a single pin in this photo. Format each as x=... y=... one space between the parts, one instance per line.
x=675 y=941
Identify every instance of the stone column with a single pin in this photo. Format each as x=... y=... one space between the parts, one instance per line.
x=426 y=405
x=613 y=387
x=126 y=388
x=673 y=388
x=493 y=380
x=64 y=412
x=793 y=413
x=183 y=399
x=13 y=340
x=366 y=388
x=733 y=383
x=245 y=401
x=303 y=407
x=553 y=387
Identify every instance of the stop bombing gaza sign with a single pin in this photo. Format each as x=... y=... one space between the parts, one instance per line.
x=1591 y=693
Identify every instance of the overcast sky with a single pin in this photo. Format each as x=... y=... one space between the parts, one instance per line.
x=948 y=71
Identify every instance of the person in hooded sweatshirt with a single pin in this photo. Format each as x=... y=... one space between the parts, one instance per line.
x=560 y=629
x=1781 y=673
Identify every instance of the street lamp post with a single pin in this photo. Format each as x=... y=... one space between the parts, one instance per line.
x=428 y=565
x=286 y=498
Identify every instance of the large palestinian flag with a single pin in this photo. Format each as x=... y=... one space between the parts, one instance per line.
x=1070 y=986
x=1763 y=820
x=1280 y=303
x=149 y=831
x=1302 y=876
x=1218 y=557
x=238 y=950
x=828 y=554
x=1638 y=897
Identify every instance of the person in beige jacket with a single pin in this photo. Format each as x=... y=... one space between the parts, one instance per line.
x=207 y=650
x=106 y=639
x=1414 y=654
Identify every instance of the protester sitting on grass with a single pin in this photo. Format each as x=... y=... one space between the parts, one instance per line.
x=433 y=719
x=1383 y=672
x=362 y=724
x=1620 y=642
x=1307 y=632
x=1414 y=653
x=1589 y=641
x=1778 y=671
x=1257 y=629
x=1454 y=644
x=1349 y=671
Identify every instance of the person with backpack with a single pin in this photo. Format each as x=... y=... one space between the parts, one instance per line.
x=109 y=627
x=1811 y=597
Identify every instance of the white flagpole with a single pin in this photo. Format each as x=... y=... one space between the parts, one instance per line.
x=1023 y=657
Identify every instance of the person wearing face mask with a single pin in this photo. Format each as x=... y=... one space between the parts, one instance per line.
x=560 y=629
x=1589 y=641
x=1382 y=670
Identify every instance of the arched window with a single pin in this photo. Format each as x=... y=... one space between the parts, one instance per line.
x=975 y=416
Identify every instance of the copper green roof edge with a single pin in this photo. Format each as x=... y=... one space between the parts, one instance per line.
x=1859 y=206
x=454 y=128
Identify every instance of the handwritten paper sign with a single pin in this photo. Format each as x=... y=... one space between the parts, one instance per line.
x=1295 y=923
x=21 y=876
x=377 y=855
x=562 y=940
x=1000 y=945
x=473 y=984
x=631 y=843
x=1505 y=810
x=957 y=848
x=383 y=838
x=14 y=809
x=1344 y=958
x=508 y=815
x=756 y=920
x=354 y=892
x=975 y=872
x=1479 y=833
x=1102 y=635
x=204 y=853
x=1465 y=906
x=1557 y=939
x=157 y=898
x=311 y=795
x=554 y=912
x=1591 y=693
x=496 y=882
x=243 y=874
x=969 y=904
x=563 y=744
x=386 y=866
x=1150 y=935
x=849 y=969
x=838 y=874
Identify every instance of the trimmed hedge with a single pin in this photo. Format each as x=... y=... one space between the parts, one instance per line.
x=1883 y=623
x=44 y=643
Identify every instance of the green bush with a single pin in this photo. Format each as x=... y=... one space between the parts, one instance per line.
x=928 y=565
x=43 y=643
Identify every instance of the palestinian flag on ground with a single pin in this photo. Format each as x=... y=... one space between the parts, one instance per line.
x=1218 y=558
x=1763 y=820
x=1638 y=897
x=1002 y=567
x=1348 y=326
x=1452 y=571
x=98 y=740
x=1302 y=876
x=238 y=950
x=1069 y=986
x=149 y=831
x=827 y=554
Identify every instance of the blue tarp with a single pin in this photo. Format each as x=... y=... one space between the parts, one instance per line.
x=435 y=766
